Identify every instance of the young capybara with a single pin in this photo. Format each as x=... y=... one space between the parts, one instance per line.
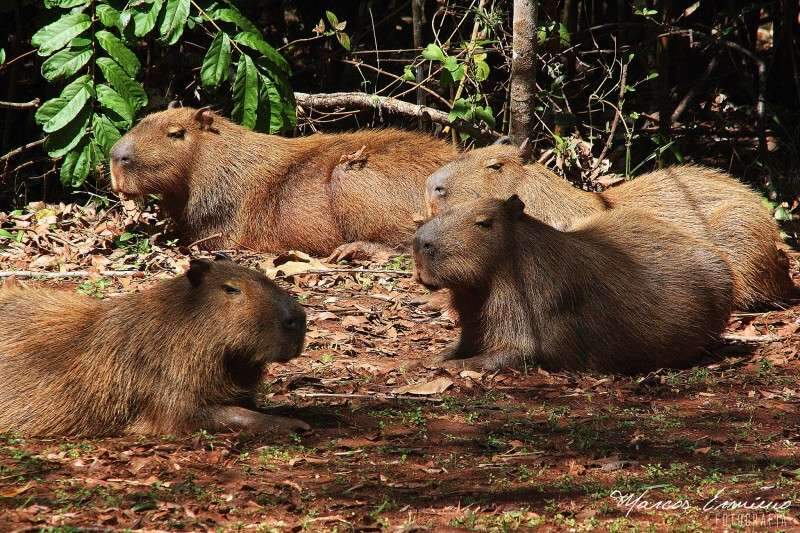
x=270 y=193
x=619 y=292
x=706 y=203
x=185 y=355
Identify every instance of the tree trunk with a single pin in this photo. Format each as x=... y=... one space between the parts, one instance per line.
x=418 y=14
x=523 y=71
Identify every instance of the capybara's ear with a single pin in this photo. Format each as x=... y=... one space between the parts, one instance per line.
x=526 y=150
x=174 y=104
x=515 y=206
x=198 y=268
x=204 y=117
x=221 y=256
x=505 y=139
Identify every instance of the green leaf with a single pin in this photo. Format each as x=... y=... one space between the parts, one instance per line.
x=332 y=19
x=55 y=36
x=5 y=234
x=51 y=107
x=782 y=214
x=563 y=35
x=174 y=20
x=408 y=73
x=2 y=55
x=105 y=133
x=433 y=53
x=245 y=93
x=462 y=109
x=455 y=68
x=62 y=141
x=343 y=39
x=128 y=88
x=48 y=110
x=76 y=165
x=72 y=107
x=232 y=15
x=119 y=52
x=481 y=70
x=64 y=4
x=217 y=61
x=254 y=41
x=65 y=63
x=271 y=98
x=111 y=100
x=72 y=88
x=144 y=20
x=485 y=114
x=108 y=16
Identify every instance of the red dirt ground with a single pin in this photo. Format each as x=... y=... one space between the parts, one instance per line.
x=670 y=451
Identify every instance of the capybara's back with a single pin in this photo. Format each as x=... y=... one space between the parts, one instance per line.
x=654 y=298
x=43 y=336
x=708 y=204
x=185 y=354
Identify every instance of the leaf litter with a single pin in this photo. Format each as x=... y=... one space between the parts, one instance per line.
x=397 y=445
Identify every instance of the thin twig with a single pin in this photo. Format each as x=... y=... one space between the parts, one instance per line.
x=33 y=104
x=204 y=239
x=684 y=103
x=615 y=122
x=398 y=78
x=27 y=274
x=21 y=149
x=298 y=41
x=375 y=396
x=19 y=57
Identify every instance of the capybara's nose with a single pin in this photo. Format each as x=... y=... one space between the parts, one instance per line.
x=423 y=243
x=436 y=182
x=122 y=152
x=294 y=318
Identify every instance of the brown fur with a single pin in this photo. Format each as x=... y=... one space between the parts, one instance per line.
x=270 y=193
x=621 y=291
x=706 y=203
x=184 y=355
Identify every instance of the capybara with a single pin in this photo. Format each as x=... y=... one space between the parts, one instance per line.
x=185 y=355
x=708 y=204
x=270 y=193
x=619 y=292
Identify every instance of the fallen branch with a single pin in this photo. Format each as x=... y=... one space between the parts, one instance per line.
x=392 y=105
x=21 y=105
x=365 y=270
x=375 y=396
x=751 y=338
x=27 y=274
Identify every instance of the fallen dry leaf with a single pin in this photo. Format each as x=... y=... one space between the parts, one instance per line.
x=436 y=386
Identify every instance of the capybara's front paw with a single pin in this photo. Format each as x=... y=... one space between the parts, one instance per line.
x=360 y=251
x=437 y=301
x=485 y=362
x=469 y=363
x=284 y=425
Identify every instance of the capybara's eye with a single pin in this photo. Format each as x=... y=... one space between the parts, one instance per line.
x=175 y=133
x=484 y=222
x=497 y=165
x=441 y=191
x=230 y=289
